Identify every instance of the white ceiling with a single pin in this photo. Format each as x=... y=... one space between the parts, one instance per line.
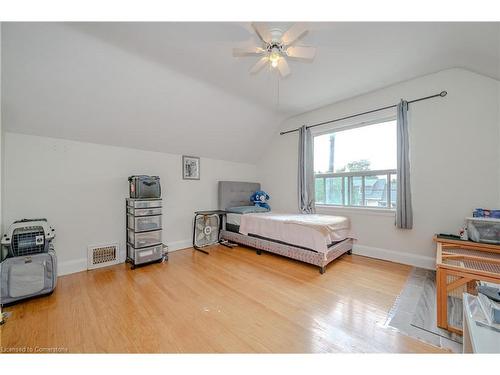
x=175 y=87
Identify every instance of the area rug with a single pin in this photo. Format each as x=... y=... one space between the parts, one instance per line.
x=425 y=316
x=414 y=312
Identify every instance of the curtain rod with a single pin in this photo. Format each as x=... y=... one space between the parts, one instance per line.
x=441 y=94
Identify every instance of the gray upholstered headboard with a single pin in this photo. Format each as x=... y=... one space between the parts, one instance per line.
x=235 y=193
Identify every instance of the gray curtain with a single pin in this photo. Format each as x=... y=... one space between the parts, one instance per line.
x=404 y=211
x=306 y=171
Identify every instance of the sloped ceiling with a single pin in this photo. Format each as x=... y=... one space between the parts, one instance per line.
x=175 y=87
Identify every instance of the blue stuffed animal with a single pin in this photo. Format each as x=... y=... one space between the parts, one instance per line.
x=259 y=199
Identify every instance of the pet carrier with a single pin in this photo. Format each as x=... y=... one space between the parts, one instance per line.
x=27 y=237
x=30 y=268
x=27 y=276
x=144 y=187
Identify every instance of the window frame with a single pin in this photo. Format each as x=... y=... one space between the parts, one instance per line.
x=353 y=124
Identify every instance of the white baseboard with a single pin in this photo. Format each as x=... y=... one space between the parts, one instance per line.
x=179 y=245
x=71 y=266
x=79 y=265
x=395 y=256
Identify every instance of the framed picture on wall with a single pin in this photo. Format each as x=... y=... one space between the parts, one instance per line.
x=190 y=167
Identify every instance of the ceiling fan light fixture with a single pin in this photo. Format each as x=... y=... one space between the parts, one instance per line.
x=274 y=58
x=276 y=47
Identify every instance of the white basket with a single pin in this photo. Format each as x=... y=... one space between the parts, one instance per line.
x=485 y=230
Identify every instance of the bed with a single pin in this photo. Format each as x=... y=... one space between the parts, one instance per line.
x=313 y=239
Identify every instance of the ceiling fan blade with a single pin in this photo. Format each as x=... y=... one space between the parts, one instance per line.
x=294 y=33
x=283 y=67
x=262 y=32
x=258 y=65
x=301 y=52
x=253 y=51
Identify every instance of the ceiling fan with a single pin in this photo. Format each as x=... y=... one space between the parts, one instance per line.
x=277 y=46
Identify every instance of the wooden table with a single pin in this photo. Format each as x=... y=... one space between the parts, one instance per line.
x=459 y=265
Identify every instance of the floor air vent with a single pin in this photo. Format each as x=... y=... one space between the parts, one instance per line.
x=102 y=256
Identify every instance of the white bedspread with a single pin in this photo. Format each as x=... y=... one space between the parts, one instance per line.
x=314 y=232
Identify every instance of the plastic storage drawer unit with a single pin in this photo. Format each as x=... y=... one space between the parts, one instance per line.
x=143 y=203
x=485 y=230
x=144 y=223
x=143 y=239
x=145 y=255
x=144 y=231
x=143 y=211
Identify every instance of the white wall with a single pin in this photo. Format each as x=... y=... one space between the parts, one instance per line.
x=1 y=135
x=81 y=188
x=63 y=83
x=455 y=161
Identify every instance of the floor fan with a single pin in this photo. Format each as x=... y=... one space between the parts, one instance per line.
x=206 y=230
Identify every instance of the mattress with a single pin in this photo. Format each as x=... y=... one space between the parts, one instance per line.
x=234 y=219
x=314 y=232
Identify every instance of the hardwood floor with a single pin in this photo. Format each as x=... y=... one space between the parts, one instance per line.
x=229 y=301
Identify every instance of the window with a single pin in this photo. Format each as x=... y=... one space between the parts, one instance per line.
x=356 y=167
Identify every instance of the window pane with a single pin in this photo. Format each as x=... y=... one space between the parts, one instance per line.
x=334 y=190
x=376 y=191
x=320 y=190
x=394 y=190
x=346 y=191
x=371 y=147
x=356 y=191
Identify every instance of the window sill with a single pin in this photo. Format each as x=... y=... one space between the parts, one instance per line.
x=355 y=210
